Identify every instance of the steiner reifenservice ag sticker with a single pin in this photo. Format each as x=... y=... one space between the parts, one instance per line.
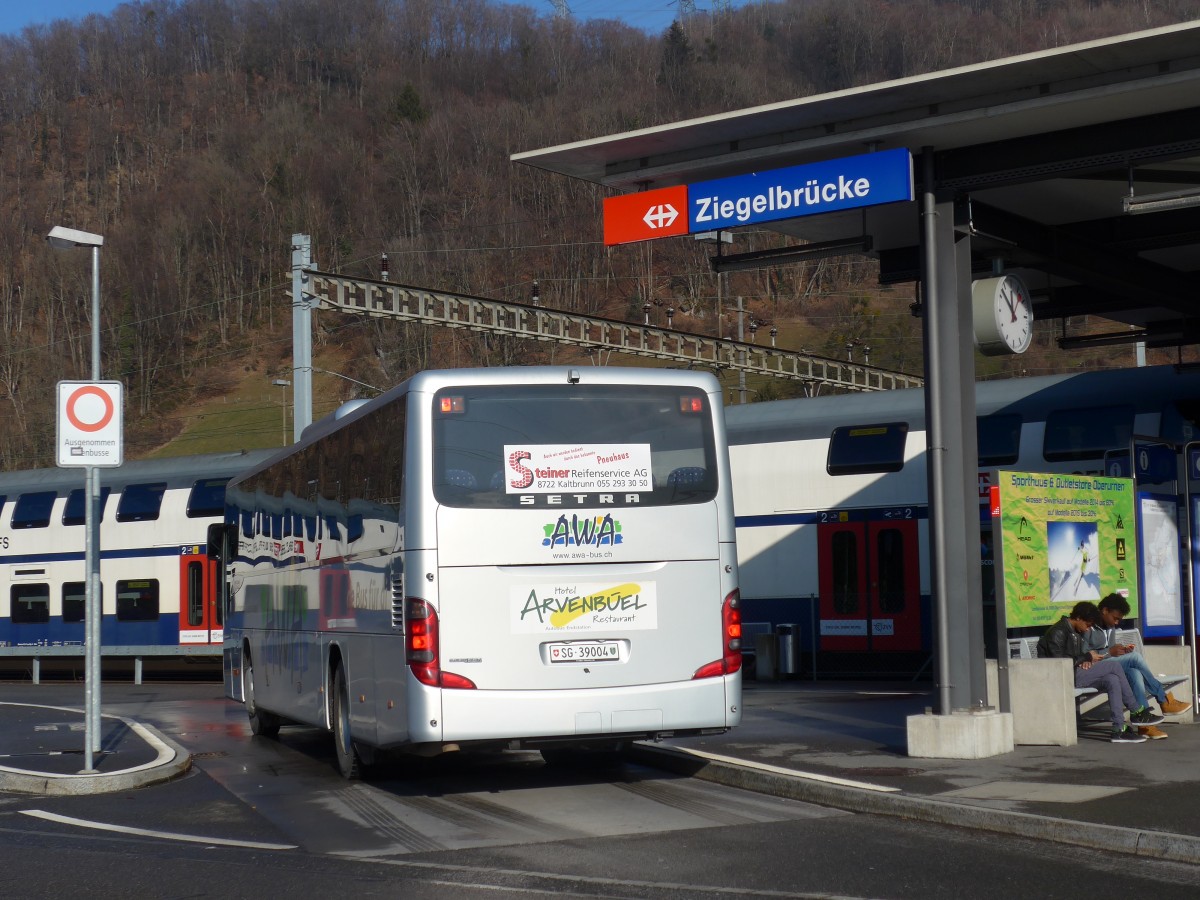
x=579 y=609
x=579 y=468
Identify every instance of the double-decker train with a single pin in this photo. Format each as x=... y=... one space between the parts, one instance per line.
x=831 y=497
x=159 y=576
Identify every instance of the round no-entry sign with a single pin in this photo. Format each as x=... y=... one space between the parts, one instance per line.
x=89 y=423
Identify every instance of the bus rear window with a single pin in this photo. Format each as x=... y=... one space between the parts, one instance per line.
x=859 y=449
x=496 y=444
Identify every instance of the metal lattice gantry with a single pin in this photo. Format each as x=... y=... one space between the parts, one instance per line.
x=429 y=307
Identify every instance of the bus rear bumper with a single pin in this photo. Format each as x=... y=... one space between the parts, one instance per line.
x=519 y=718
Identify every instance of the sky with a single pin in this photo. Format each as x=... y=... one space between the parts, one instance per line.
x=650 y=15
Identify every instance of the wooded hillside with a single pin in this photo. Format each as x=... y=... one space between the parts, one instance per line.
x=198 y=136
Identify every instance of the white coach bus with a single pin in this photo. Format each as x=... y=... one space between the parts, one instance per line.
x=510 y=557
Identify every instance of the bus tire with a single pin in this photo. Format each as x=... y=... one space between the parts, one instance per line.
x=262 y=723
x=348 y=760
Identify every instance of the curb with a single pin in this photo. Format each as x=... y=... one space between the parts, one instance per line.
x=172 y=761
x=840 y=794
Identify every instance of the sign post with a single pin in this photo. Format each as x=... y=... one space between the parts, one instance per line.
x=89 y=434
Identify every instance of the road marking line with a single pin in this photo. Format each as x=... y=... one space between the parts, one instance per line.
x=594 y=880
x=163 y=753
x=779 y=770
x=146 y=832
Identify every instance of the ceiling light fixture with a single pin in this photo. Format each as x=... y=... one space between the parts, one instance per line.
x=1180 y=199
x=779 y=256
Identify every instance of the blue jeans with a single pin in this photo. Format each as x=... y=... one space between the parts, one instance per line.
x=1141 y=679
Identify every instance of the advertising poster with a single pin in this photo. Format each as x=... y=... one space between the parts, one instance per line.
x=1195 y=559
x=1065 y=538
x=1162 y=598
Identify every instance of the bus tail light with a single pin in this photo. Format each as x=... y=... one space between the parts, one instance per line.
x=421 y=647
x=731 y=640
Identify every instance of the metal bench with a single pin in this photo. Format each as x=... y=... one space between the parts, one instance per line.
x=1026 y=648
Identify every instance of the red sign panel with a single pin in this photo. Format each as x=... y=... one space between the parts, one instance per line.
x=645 y=216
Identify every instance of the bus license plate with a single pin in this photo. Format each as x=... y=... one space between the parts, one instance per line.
x=585 y=651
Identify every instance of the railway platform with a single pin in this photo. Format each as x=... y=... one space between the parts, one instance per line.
x=843 y=744
x=836 y=744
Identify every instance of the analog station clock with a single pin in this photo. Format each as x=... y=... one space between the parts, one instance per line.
x=1003 y=315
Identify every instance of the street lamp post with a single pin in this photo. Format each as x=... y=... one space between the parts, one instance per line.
x=65 y=239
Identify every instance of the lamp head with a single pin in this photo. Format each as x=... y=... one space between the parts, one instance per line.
x=65 y=238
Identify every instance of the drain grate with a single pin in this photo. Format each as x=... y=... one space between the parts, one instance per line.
x=210 y=754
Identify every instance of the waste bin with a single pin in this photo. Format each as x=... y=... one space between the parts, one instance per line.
x=788 y=636
x=766 y=657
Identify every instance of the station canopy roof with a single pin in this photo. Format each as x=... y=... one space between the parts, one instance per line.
x=1041 y=150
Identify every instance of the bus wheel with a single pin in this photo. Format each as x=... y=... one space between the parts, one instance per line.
x=262 y=723
x=347 y=757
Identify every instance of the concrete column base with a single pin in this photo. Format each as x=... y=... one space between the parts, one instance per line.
x=960 y=735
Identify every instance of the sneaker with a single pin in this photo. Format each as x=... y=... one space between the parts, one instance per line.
x=1173 y=707
x=1127 y=736
x=1144 y=716
x=1155 y=734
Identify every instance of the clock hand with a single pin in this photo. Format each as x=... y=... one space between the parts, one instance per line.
x=1011 y=311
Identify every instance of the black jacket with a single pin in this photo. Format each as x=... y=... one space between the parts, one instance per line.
x=1061 y=640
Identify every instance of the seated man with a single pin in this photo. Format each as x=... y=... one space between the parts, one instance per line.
x=1103 y=639
x=1065 y=639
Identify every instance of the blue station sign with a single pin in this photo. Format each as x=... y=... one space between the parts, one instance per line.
x=871 y=179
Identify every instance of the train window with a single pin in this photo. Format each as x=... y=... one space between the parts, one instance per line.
x=74 y=601
x=889 y=556
x=141 y=502
x=30 y=604
x=75 y=512
x=207 y=498
x=999 y=439
x=858 y=449
x=195 y=594
x=1086 y=433
x=1180 y=421
x=845 y=572
x=137 y=601
x=33 y=509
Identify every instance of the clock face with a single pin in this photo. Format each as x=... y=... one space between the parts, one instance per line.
x=1003 y=315
x=1014 y=314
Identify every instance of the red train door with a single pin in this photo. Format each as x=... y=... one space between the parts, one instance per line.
x=200 y=619
x=870 y=587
